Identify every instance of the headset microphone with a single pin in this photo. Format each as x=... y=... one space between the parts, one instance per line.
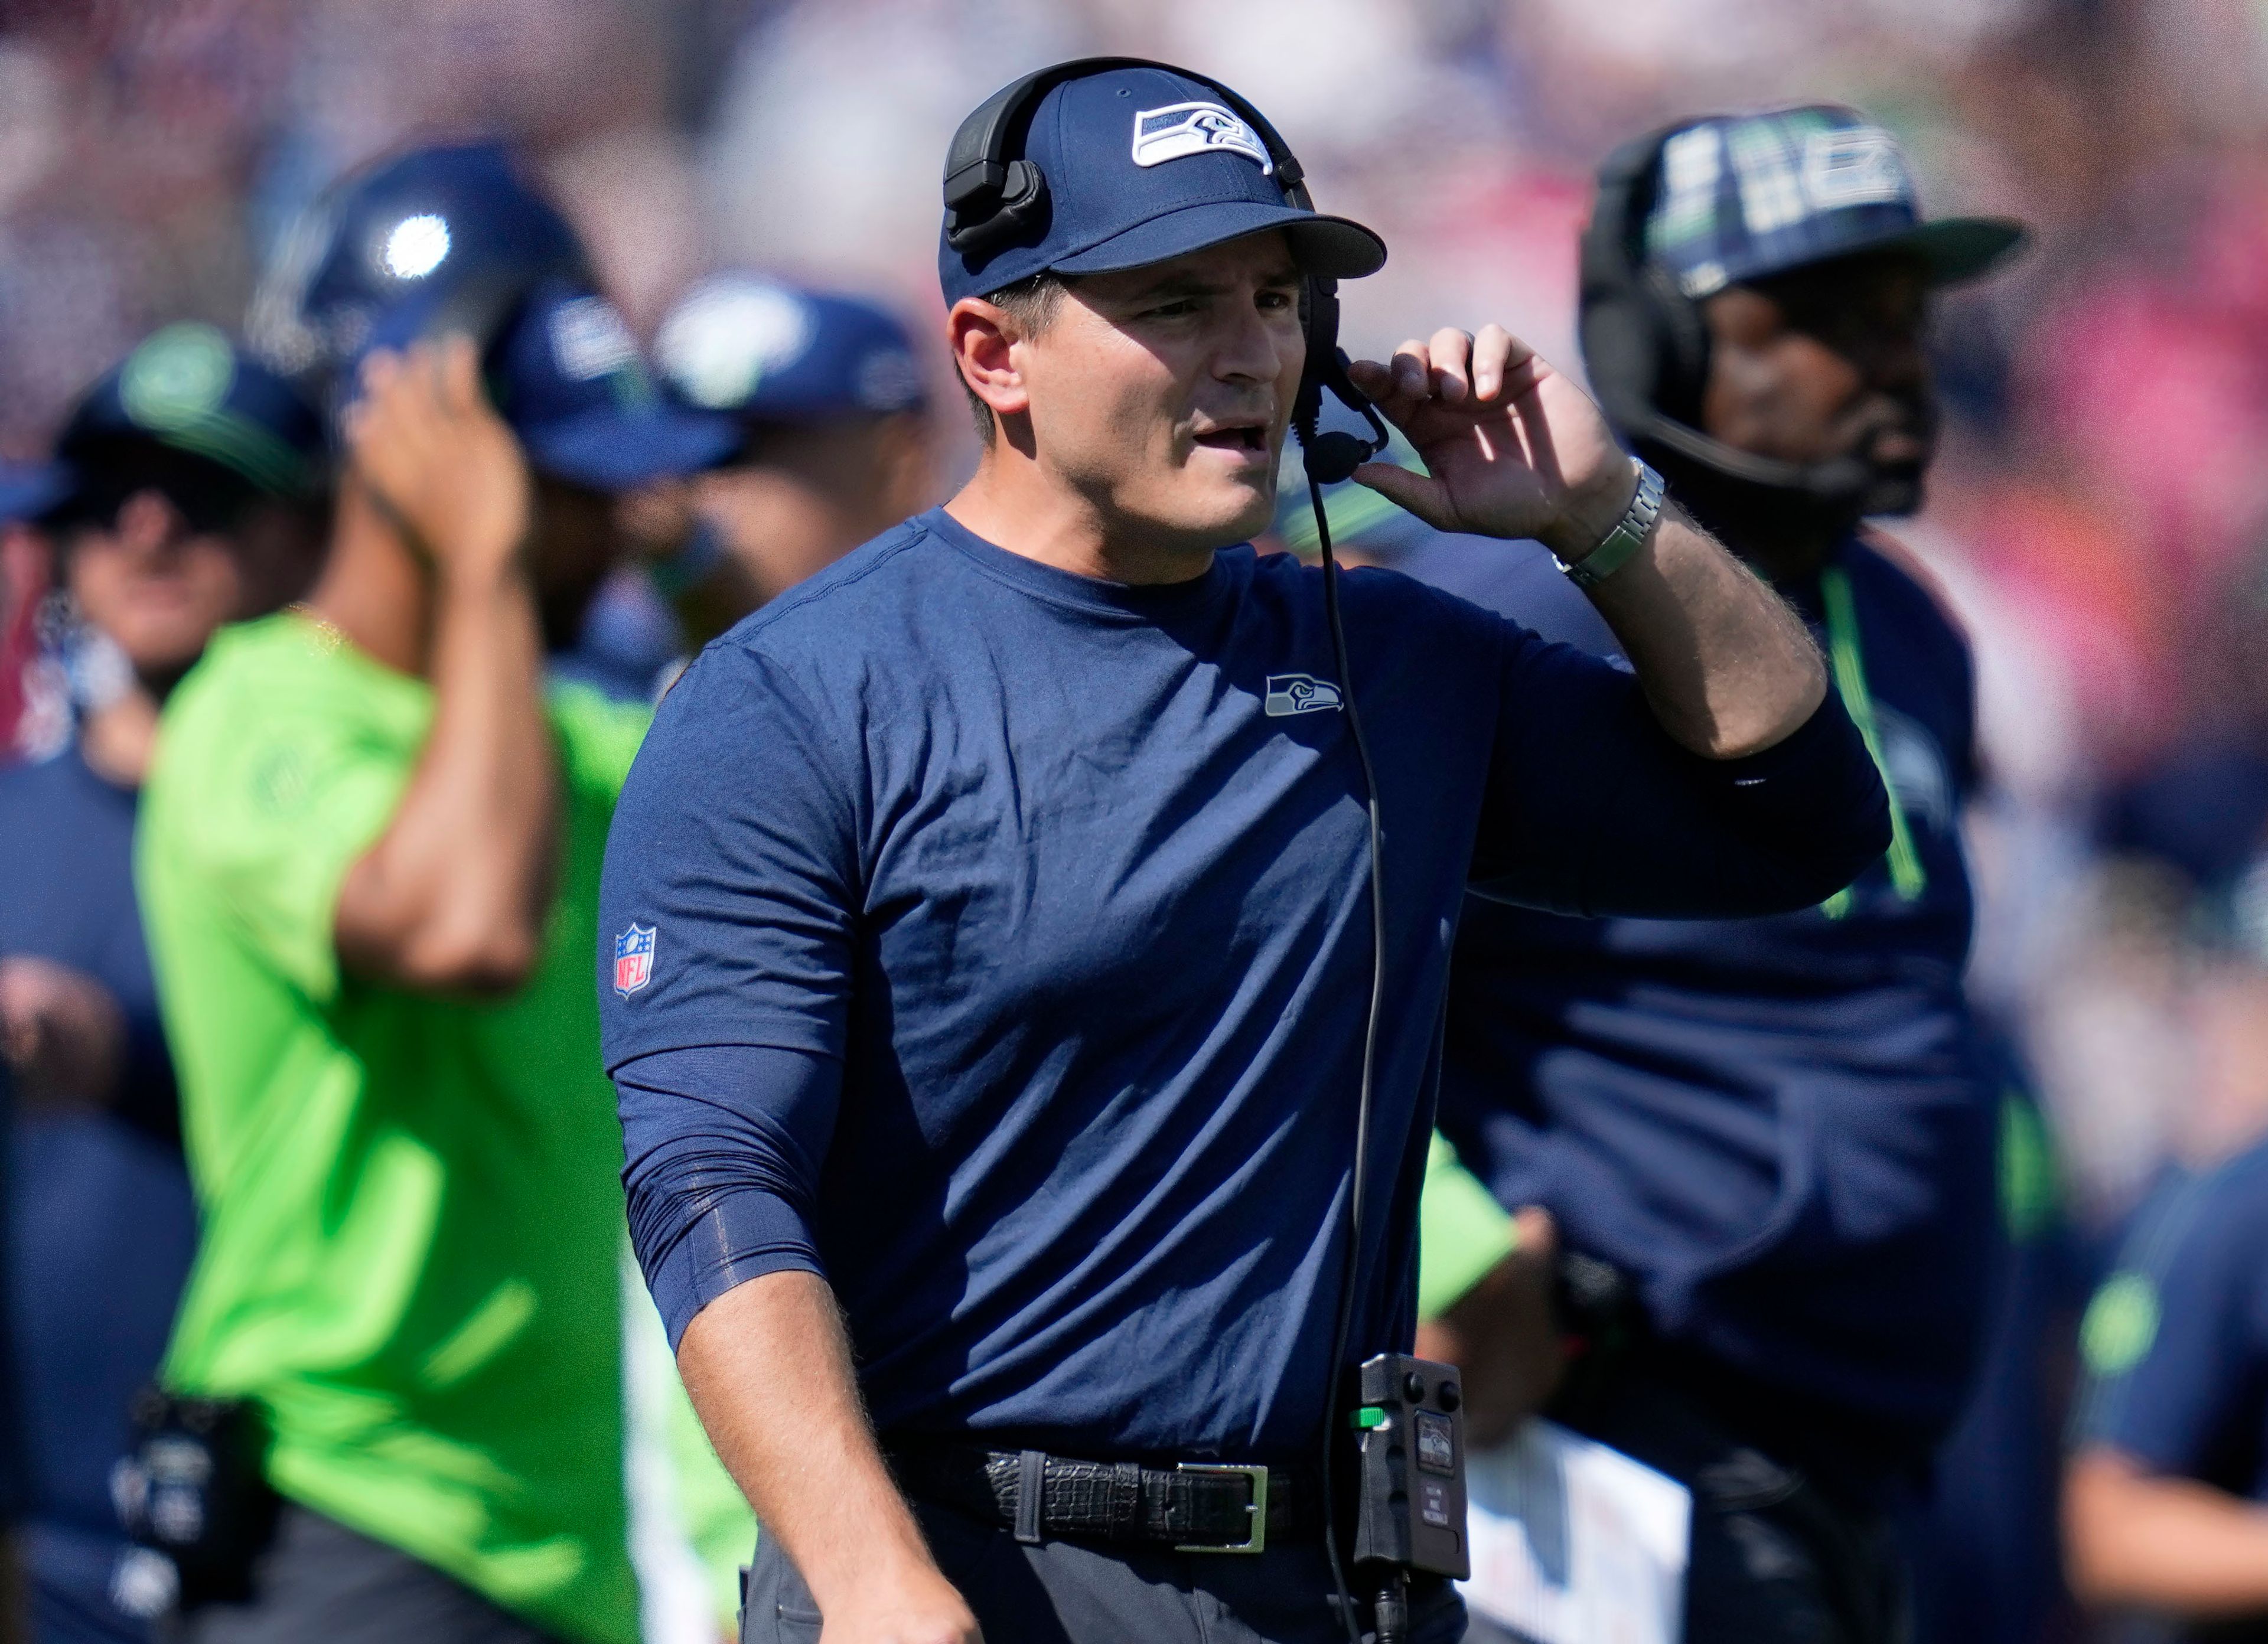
x=1329 y=458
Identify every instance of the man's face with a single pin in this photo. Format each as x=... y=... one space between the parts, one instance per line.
x=1826 y=362
x=154 y=585
x=811 y=493
x=1162 y=394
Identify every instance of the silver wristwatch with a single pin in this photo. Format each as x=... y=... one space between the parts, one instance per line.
x=1616 y=547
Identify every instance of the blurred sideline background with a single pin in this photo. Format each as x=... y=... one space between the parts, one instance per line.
x=2099 y=514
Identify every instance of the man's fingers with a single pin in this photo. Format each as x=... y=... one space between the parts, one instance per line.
x=1413 y=371
x=1419 y=494
x=1372 y=377
x=1452 y=352
x=1492 y=352
x=1536 y=1230
x=458 y=368
x=379 y=367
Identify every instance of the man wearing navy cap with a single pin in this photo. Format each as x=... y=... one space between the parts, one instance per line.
x=833 y=411
x=191 y=494
x=1768 y=1143
x=368 y=860
x=986 y=939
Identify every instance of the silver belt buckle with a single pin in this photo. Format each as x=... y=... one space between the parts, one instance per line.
x=1257 y=1510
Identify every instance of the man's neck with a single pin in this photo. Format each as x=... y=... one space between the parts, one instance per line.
x=373 y=591
x=1011 y=503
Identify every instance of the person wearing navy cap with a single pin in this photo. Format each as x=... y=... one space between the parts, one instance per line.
x=368 y=863
x=1767 y=1145
x=190 y=492
x=834 y=410
x=836 y=443
x=987 y=959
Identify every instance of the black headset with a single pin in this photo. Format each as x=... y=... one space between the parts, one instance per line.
x=1645 y=347
x=995 y=197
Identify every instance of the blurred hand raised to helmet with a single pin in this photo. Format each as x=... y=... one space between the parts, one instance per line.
x=426 y=445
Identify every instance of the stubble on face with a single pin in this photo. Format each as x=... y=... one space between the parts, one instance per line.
x=1163 y=394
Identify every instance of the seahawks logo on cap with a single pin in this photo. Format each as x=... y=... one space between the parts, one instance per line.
x=1855 y=167
x=1184 y=128
x=179 y=375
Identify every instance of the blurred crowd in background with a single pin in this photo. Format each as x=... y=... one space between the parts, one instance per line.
x=2099 y=516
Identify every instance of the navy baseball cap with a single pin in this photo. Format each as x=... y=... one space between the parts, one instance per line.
x=195 y=414
x=1738 y=197
x=765 y=351
x=1143 y=165
x=453 y=239
x=567 y=375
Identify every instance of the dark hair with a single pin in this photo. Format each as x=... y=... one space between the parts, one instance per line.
x=1031 y=302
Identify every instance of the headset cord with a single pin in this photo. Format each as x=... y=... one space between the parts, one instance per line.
x=1352 y=1268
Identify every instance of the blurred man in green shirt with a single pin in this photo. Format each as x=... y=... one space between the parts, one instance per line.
x=368 y=855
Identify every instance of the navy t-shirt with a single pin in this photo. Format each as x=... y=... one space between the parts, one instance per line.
x=1782 y=1127
x=996 y=941
x=2175 y=1341
x=103 y=1225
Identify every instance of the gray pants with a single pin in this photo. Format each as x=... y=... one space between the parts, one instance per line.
x=1067 y=1592
x=319 y=1580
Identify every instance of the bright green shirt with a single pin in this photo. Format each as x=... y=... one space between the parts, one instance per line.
x=1462 y=1232
x=411 y=1213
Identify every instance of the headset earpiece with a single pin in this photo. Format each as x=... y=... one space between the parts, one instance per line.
x=1016 y=211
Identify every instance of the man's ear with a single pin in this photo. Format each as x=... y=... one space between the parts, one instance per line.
x=983 y=338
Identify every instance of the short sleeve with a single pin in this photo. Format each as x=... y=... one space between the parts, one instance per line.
x=1462 y=1232
x=731 y=873
x=268 y=808
x=2172 y=1343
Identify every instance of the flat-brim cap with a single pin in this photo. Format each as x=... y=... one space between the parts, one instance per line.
x=1143 y=166
x=1742 y=197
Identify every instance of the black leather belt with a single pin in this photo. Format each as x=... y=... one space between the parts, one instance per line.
x=1196 y=1507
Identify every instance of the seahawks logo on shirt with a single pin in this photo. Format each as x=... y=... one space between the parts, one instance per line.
x=1299 y=694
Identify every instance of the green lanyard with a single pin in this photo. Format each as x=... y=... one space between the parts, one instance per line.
x=1906 y=874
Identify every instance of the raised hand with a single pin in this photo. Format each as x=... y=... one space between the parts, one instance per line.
x=429 y=447
x=1511 y=447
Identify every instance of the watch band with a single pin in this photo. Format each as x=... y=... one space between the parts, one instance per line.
x=1616 y=547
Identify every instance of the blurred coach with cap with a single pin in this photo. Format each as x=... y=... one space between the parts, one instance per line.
x=833 y=407
x=988 y=925
x=369 y=862
x=191 y=493
x=1768 y=1144
x=837 y=443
